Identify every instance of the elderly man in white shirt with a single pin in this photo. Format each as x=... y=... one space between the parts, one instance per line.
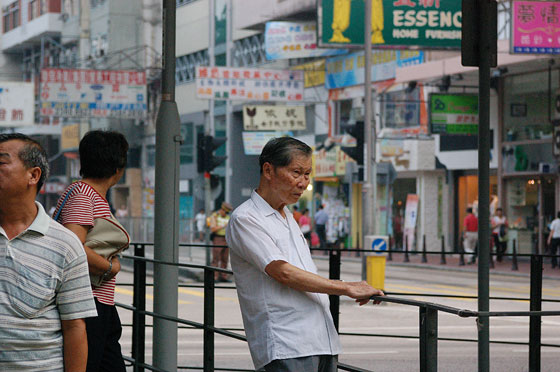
x=283 y=301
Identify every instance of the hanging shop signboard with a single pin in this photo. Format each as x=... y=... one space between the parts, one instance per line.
x=269 y=117
x=17 y=104
x=535 y=27
x=249 y=84
x=348 y=70
x=454 y=113
x=314 y=73
x=285 y=40
x=93 y=93
x=395 y=23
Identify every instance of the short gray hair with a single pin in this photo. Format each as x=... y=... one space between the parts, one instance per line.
x=280 y=151
x=31 y=155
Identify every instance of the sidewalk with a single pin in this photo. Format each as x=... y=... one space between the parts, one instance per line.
x=452 y=264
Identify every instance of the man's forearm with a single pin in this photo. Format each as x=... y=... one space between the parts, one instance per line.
x=75 y=345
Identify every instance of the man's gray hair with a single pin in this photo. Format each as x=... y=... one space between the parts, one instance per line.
x=31 y=155
x=280 y=151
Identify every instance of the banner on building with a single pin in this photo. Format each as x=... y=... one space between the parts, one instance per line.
x=535 y=27
x=70 y=137
x=314 y=73
x=228 y=83
x=454 y=113
x=267 y=117
x=410 y=217
x=93 y=93
x=395 y=23
x=17 y=104
x=348 y=70
x=284 y=40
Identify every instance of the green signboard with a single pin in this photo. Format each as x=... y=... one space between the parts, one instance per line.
x=430 y=24
x=454 y=113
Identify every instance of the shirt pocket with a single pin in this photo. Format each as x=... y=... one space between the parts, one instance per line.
x=285 y=245
x=34 y=294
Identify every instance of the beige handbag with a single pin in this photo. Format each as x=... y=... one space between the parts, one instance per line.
x=107 y=238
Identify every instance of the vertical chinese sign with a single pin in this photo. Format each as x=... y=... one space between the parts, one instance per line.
x=17 y=104
x=535 y=27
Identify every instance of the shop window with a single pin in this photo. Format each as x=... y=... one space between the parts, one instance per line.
x=457 y=142
x=343 y=112
x=401 y=109
x=526 y=107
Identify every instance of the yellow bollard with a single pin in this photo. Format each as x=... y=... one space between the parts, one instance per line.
x=375 y=271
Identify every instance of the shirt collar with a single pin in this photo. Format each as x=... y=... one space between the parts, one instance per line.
x=40 y=224
x=263 y=205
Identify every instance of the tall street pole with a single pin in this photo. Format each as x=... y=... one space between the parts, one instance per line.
x=370 y=171
x=485 y=60
x=229 y=108
x=166 y=226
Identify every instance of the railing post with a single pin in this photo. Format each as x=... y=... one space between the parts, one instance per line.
x=535 y=320
x=334 y=273
x=139 y=303
x=428 y=339
x=406 y=257
x=461 y=251
x=209 y=287
x=514 y=265
x=443 y=261
x=424 y=255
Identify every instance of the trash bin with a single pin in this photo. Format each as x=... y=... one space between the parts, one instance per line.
x=375 y=271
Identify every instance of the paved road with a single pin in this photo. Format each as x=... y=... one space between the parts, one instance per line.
x=382 y=353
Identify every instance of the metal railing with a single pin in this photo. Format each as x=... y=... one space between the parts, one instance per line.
x=428 y=315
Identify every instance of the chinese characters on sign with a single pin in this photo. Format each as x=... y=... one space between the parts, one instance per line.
x=224 y=83
x=93 y=93
x=285 y=40
x=454 y=113
x=535 y=27
x=274 y=118
x=17 y=104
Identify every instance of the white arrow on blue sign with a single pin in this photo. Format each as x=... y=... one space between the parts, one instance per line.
x=379 y=244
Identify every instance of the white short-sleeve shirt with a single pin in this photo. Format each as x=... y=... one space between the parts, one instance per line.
x=555 y=227
x=280 y=322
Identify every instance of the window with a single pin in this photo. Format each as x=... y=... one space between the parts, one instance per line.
x=185 y=67
x=10 y=16
x=187 y=148
x=249 y=51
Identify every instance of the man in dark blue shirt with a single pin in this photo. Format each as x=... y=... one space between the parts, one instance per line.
x=321 y=219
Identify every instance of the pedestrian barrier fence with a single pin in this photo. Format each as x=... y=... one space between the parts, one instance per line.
x=428 y=315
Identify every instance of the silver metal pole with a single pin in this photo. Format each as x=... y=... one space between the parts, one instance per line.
x=166 y=234
x=369 y=132
x=229 y=113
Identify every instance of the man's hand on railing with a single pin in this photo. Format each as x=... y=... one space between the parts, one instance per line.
x=362 y=291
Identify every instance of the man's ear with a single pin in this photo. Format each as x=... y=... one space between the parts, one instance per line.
x=268 y=169
x=34 y=175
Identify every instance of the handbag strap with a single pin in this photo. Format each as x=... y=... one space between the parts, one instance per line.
x=57 y=215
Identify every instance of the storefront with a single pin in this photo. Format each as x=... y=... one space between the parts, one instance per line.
x=528 y=169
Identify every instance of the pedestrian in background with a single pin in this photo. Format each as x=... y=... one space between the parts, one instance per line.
x=554 y=239
x=44 y=284
x=470 y=234
x=305 y=226
x=499 y=226
x=297 y=214
x=103 y=157
x=321 y=219
x=220 y=255
x=283 y=301
x=200 y=221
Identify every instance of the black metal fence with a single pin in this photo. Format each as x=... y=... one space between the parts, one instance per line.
x=427 y=323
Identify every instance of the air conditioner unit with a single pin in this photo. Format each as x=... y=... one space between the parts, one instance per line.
x=546 y=168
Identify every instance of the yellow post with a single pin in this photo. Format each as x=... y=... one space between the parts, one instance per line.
x=376 y=271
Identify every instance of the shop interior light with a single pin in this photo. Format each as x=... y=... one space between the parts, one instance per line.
x=310 y=187
x=531 y=182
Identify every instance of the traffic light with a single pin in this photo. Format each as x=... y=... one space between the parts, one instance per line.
x=206 y=160
x=356 y=131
